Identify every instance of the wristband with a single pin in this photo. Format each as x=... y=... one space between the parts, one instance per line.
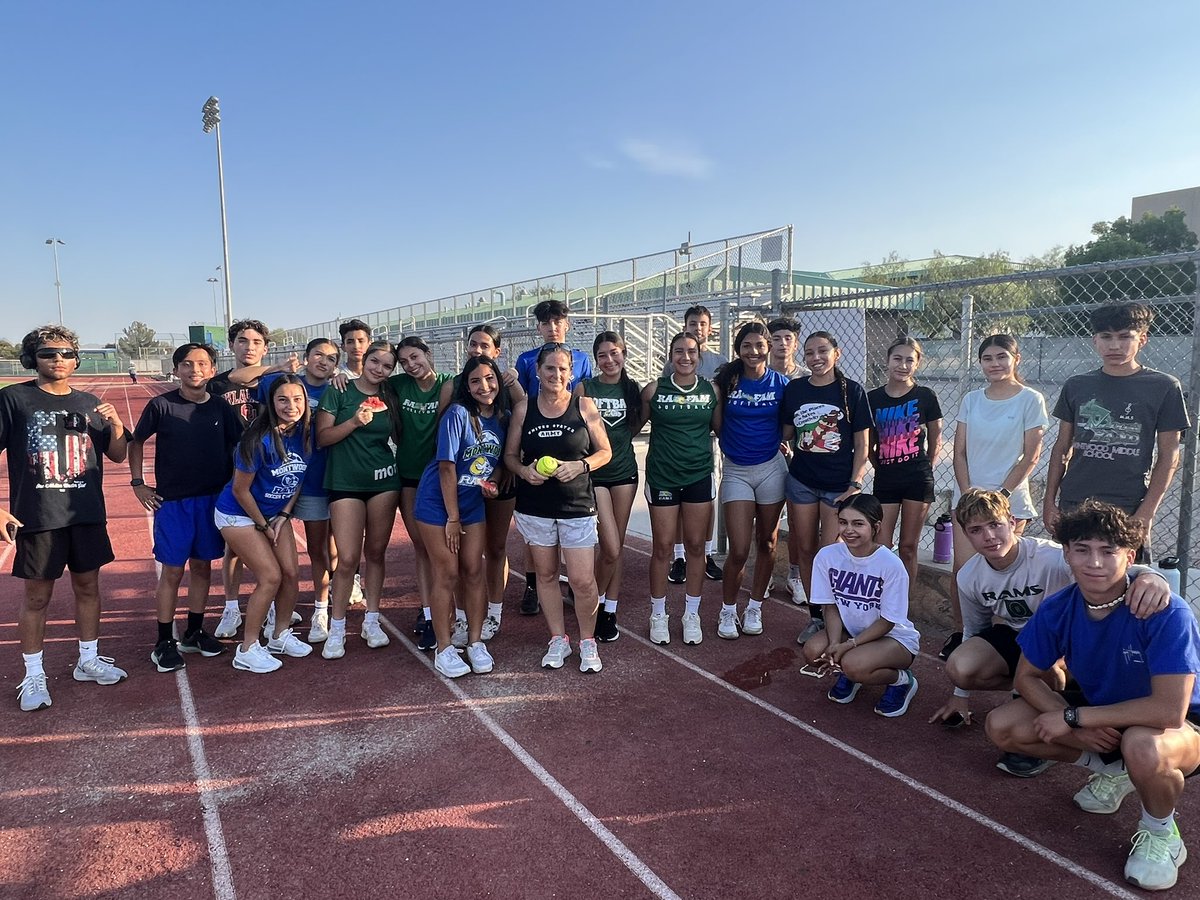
x=587 y=467
x=959 y=692
x=136 y=482
x=283 y=513
x=264 y=528
x=857 y=485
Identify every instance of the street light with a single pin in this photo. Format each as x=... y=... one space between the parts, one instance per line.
x=54 y=242
x=212 y=122
x=216 y=309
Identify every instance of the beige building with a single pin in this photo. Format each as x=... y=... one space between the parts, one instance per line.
x=1187 y=200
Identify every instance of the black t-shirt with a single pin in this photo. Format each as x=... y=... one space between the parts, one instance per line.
x=566 y=439
x=239 y=396
x=55 y=450
x=900 y=433
x=193 y=444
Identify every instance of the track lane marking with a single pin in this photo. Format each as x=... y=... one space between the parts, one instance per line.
x=214 y=833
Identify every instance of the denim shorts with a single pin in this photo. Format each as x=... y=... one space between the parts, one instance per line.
x=802 y=494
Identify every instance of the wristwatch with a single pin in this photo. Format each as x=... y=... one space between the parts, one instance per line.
x=857 y=485
x=1071 y=716
x=587 y=467
x=1006 y=492
x=136 y=482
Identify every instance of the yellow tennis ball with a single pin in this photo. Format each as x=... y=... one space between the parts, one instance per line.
x=546 y=466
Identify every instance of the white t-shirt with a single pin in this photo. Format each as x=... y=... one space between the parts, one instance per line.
x=864 y=590
x=996 y=441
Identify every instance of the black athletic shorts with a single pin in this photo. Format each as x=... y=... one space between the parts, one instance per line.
x=1003 y=639
x=890 y=489
x=697 y=492
x=632 y=479
x=45 y=554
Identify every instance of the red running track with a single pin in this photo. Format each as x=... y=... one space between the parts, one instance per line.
x=708 y=771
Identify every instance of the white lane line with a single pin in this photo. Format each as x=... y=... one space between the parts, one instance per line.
x=214 y=833
x=612 y=843
x=979 y=818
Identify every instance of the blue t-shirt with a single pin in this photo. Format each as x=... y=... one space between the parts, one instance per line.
x=1113 y=659
x=275 y=480
x=314 y=478
x=475 y=458
x=826 y=418
x=526 y=366
x=751 y=430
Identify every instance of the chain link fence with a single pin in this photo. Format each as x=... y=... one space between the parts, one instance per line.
x=1047 y=311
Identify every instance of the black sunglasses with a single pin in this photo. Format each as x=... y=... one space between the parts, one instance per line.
x=55 y=352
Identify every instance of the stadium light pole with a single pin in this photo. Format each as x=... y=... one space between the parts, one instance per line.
x=212 y=122
x=216 y=309
x=54 y=242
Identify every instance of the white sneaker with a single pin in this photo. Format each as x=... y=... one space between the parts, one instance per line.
x=491 y=628
x=796 y=586
x=33 y=692
x=319 y=629
x=296 y=618
x=335 y=646
x=450 y=664
x=458 y=634
x=481 y=661
x=727 y=624
x=268 y=629
x=374 y=635
x=99 y=669
x=589 y=657
x=256 y=660
x=692 y=632
x=356 y=594
x=557 y=652
x=287 y=644
x=231 y=621
x=1103 y=793
x=1154 y=861
x=752 y=621
x=660 y=629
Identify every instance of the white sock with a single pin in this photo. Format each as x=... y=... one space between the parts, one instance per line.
x=460 y=615
x=233 y=605
x=321 y=605
x=1093 y=763
x=33 y=663
x=88 y=650
x=1153 y=823
x=691 y=604
x=337 y=626
x=371 y=618
x=610 y=604
x=709 y=546
x=902 y=678
x=428 y=613
x=658 y=606
x=729 y=607
x=495 y=610
x=754 y=604
x=679 y=551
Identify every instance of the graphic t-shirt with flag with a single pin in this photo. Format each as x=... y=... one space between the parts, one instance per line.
x=55 y=445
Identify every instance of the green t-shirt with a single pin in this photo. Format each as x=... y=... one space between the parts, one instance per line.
x=418 y=423
x=680 y=451
x=364 y=460
x=610 y=401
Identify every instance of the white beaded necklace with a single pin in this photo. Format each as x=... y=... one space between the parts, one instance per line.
x=1108 y=605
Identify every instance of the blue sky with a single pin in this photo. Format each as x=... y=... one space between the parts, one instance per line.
x=382 y=153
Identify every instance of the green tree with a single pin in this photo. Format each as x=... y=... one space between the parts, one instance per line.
x=138 y=339
x=1124 y=238
x=9 y=350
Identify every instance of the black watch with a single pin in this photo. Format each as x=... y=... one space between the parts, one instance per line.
x=1006 y=492
x=587 y=467
x=137 y=482
x=1071 y=716
x=857 y=485
x=263 y=528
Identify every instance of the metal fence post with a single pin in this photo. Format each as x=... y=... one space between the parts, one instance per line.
x=1190 y=441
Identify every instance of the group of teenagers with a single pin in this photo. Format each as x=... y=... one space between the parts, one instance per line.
x=1101 y=656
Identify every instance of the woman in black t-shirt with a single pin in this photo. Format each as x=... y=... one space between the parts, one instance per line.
x=554 y=442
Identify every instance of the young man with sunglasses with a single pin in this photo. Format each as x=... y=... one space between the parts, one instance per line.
x=55 y=437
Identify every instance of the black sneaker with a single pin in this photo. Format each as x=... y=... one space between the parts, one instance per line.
x=529 y=601
x=426 y=640
x=166 y=656
x=678 y=572
x=606 y=626
x=712 y=571
x=1021 y=765
x=952 y=643
x=200 y=641
x=419 y=622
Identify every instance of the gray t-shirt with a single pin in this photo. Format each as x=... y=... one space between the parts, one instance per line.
x=710 y=361
x=1117 y=419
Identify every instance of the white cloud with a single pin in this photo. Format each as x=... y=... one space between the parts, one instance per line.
x=666 y=159
x=593 y=161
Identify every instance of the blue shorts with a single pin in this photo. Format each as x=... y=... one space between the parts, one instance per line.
x=311 y=508
x=184 y=529
x=798 y=492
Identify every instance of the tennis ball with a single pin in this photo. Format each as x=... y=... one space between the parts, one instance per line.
x=546 y=466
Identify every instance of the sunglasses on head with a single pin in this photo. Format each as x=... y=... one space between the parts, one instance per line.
x=56 y=352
